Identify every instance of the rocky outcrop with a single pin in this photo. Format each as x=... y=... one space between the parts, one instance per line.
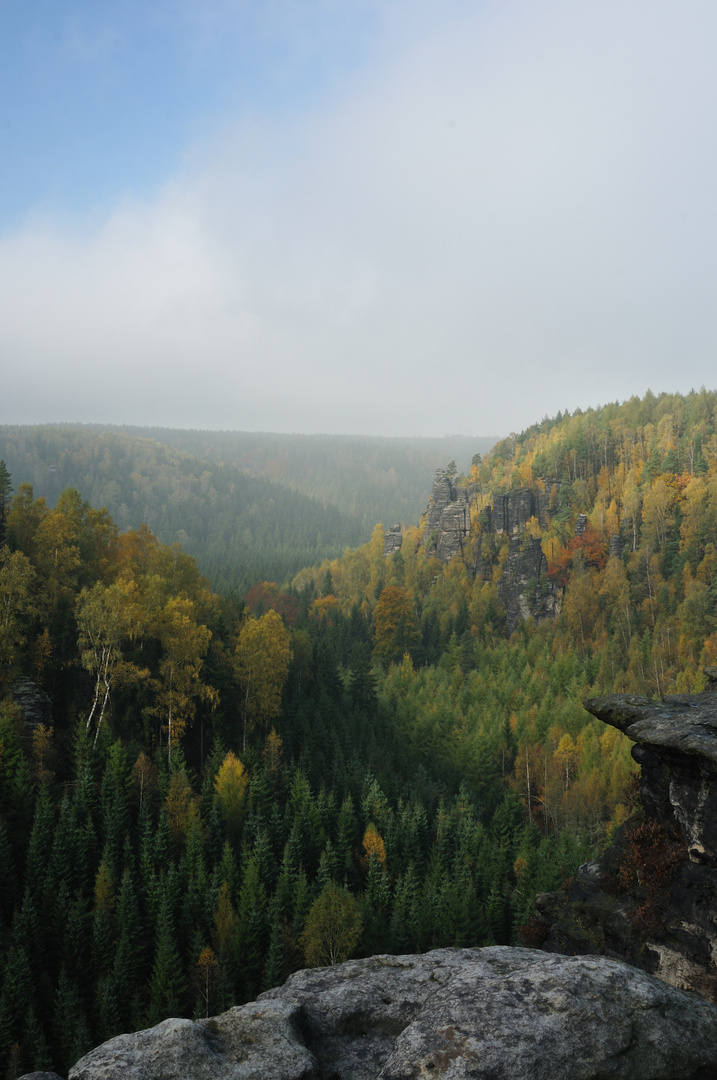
x=392 y=540
x=615 y=547
x=524 y=588
x=496 y=1014
x=651 y=898
x=35 y=706
x=511 y=511
x=448 y=518
x=581 y=525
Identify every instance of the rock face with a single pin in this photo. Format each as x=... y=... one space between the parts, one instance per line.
x=524 y=588
x=392 y=540
x=448 y=518
x=512 y=511
x=496 y=1014
x=667 y=922
x=35 y=705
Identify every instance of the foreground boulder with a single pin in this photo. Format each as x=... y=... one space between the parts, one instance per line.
x=651 y=898
x=497 y=1014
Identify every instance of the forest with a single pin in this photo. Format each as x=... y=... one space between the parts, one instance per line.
x=219 y=788
x=239 y=528
x=248 y=507
x=366 y=477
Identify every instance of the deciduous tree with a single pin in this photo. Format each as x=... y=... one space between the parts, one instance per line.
x=261 y=665
x=184 y=643
x=395 y=625
x=333 y=927
x=230 y=785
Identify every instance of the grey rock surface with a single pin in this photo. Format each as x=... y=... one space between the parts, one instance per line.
x=392 y=540
x=512 y=511
x=683 y=722
x=35 y=705
x=447 y=519
x=489 y=1014
x=40 y=1076
x=524 y=589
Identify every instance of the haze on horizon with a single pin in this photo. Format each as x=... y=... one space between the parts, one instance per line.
x=373 y=216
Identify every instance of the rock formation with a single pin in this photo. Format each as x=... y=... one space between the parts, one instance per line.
x=495 y=1013
x=651 y=898
x=524 y=589
x=448 y=518
x=581 y=524
x=511 y=512
x=392 y=540
x=34 y=704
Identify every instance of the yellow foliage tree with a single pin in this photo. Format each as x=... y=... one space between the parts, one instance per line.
x=261 y=665
x=395 y=625
x=17 y=610
x=106 y=615
x=185 y=643
x=273 y=753
x=144 y=776
x=373 y=844
x=104 y=891
x=230 y=785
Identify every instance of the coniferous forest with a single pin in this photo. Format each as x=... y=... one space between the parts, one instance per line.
x=201 y=791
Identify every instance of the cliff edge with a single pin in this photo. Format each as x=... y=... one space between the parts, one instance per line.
x=494 y=1013
x=651 y=898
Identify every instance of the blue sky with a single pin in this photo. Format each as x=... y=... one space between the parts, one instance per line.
x=362 y=216
x=101 y=100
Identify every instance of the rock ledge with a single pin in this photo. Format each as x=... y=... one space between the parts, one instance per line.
x=495 y=1013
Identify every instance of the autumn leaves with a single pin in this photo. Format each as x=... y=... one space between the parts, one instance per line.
x=137 y=616
x=261 y=666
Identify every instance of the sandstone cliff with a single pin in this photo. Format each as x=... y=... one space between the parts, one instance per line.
x=651 y=898
x=524 y=588
x=448 y=518
x=488 y=1014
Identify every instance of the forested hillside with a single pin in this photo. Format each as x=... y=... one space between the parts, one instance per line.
x=240 y=529
x=188 y=792
x=209 y=789
x=369 y=478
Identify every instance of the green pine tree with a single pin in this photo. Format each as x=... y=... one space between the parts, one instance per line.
x=168 y=985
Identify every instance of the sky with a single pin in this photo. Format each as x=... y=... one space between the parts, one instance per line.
x=354 y=216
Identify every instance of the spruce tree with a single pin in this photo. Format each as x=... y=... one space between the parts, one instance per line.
x=17 y=999
x=40 y=845
x=252 y=928
x=71 y=1034
x=276 y=967
x=129 y=970
x=168 y=985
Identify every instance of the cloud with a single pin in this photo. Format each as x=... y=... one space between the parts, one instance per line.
x=501 y=213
